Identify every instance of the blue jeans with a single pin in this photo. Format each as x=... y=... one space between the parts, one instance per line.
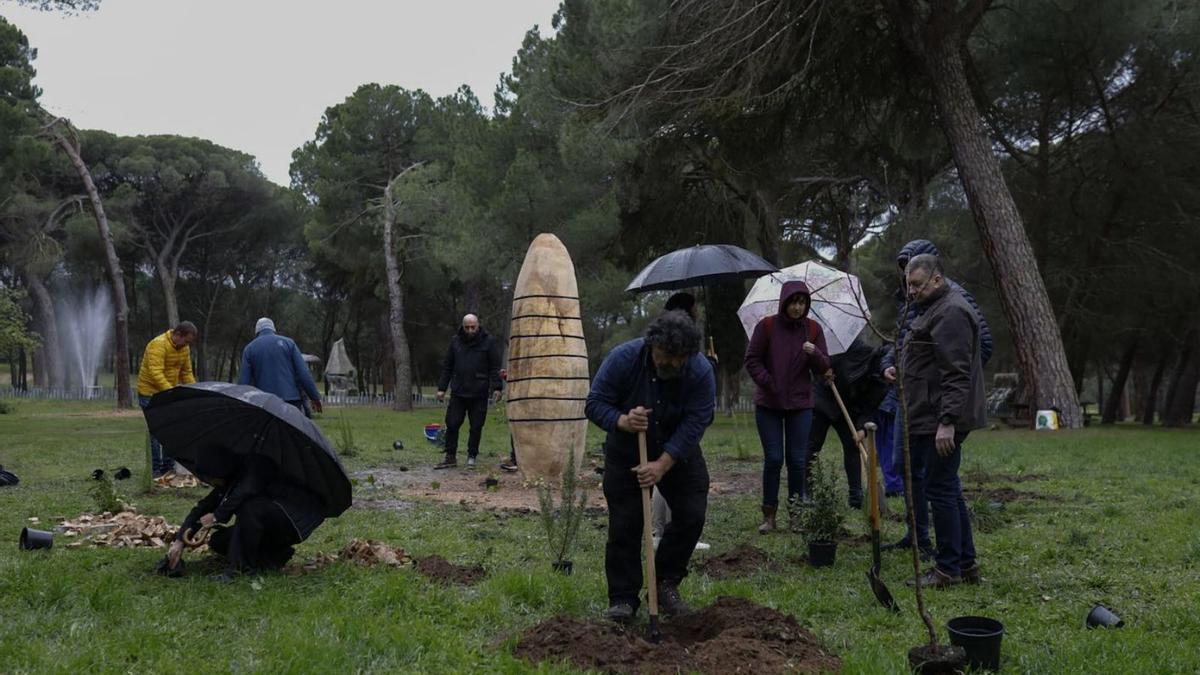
x=889 y=453
x=779 y=430
x=951 y=522
x=160 y=464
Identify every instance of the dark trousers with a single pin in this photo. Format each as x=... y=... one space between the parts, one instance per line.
x=784 y=436
x=261 y=538
x=920 y=452
x=850 y=457
x=685 y=489
x=459 y=409
x=159 y=462
x=951 y=522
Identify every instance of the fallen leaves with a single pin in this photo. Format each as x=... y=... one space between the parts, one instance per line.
x=176 y=480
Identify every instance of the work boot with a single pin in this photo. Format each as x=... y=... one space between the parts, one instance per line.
x=768 y=523
x=510 y=466
x=935 y=578
x=670 y=603
x=621 y=613
x=448 y=462
x=971 y=575
x=855 y=500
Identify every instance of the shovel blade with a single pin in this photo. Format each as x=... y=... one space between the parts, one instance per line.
x=882 y=594
x=654 y=635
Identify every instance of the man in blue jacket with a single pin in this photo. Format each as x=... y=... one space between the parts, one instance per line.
x=660 y=385
x=273 y=363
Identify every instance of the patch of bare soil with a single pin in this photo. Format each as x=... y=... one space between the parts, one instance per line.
x=365 y=552
x=1005 y=495
x=135 y=412
x=732 y=635
x=987 y=477
x=469 y=487
x=438 y=569
x=740 y=561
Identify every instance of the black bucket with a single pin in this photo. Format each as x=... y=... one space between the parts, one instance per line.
x=980 y=638
x=822 y=553
x=1103 y=617
x=35 y=539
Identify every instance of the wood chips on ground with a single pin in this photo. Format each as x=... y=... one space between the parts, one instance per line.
x=118 y=530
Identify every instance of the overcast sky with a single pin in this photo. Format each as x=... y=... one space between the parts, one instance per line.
x=257 y=75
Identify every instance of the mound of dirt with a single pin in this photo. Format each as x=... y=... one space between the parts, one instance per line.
x=738 y=562
x=732 y=635
x=438 y=569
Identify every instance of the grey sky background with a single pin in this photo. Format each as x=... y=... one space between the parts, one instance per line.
x=256 y=75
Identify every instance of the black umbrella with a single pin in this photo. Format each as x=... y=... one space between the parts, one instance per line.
x=700 y=265
x=197 y=420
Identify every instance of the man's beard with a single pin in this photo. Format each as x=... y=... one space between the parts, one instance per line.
x=669 y=372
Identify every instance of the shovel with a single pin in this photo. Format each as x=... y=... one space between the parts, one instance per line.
x=862 y=450
x=877 y=586
x=648 y=540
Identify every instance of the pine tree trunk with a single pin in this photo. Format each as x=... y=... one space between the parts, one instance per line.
x=1181 y=395
x=1036 y=337
x=1151 y=404
x=167 y=279
x=1112 y=407
x=112 y=264
x=400 y=353
x=52 y=356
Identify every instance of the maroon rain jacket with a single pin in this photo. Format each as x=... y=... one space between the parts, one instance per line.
x=775 y=357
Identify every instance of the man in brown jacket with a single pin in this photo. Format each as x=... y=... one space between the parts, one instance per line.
x=943 y=388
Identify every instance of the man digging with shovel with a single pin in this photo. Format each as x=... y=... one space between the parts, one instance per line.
x=661 y=389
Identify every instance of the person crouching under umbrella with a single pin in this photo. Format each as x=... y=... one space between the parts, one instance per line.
x=269 y=516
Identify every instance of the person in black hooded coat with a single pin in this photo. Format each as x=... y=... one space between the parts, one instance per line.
x=858 y=380
x=471 y=371
x=269 y=516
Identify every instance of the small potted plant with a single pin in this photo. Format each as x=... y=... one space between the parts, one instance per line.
x=821 y=517
x=562 y=522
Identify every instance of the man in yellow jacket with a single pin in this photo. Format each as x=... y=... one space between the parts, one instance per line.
x=166 y=363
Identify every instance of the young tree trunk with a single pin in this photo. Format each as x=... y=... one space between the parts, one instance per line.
x=400 y=352
x=23 y=377
x=52 y=356
x=1112 y=407
x=112 y=263
x=939 y=43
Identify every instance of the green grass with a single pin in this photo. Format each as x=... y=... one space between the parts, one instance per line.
x=1122 y=531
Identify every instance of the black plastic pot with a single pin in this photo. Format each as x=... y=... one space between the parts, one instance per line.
x=35 y=539
x=980 y=638
x=398 y=445
x=122 y=473
x=563 y=566
x=821 y=553
x=1103 y=617
x=949 y=659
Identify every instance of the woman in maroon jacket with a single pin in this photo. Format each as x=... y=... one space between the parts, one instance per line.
x=786 y=351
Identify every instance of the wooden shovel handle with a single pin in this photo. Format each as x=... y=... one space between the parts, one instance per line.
x=872 y=485
x=862 y=451
x=647 y=535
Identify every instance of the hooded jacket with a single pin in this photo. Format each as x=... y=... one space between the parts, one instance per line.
x=471 y=368
x=858 y=380
x=908 y=252
x=776 y=360
x=255 y=478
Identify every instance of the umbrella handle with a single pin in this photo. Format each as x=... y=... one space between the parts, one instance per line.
x=199 y=539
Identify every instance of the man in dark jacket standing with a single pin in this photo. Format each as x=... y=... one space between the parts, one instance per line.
x=471 y=371
x=273 y=363
x=662 y=386
x=943 y=386
x=271 y=516
x=891 y=454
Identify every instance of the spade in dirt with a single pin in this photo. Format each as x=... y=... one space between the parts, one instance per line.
x=882 y=594
x=648 y=538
